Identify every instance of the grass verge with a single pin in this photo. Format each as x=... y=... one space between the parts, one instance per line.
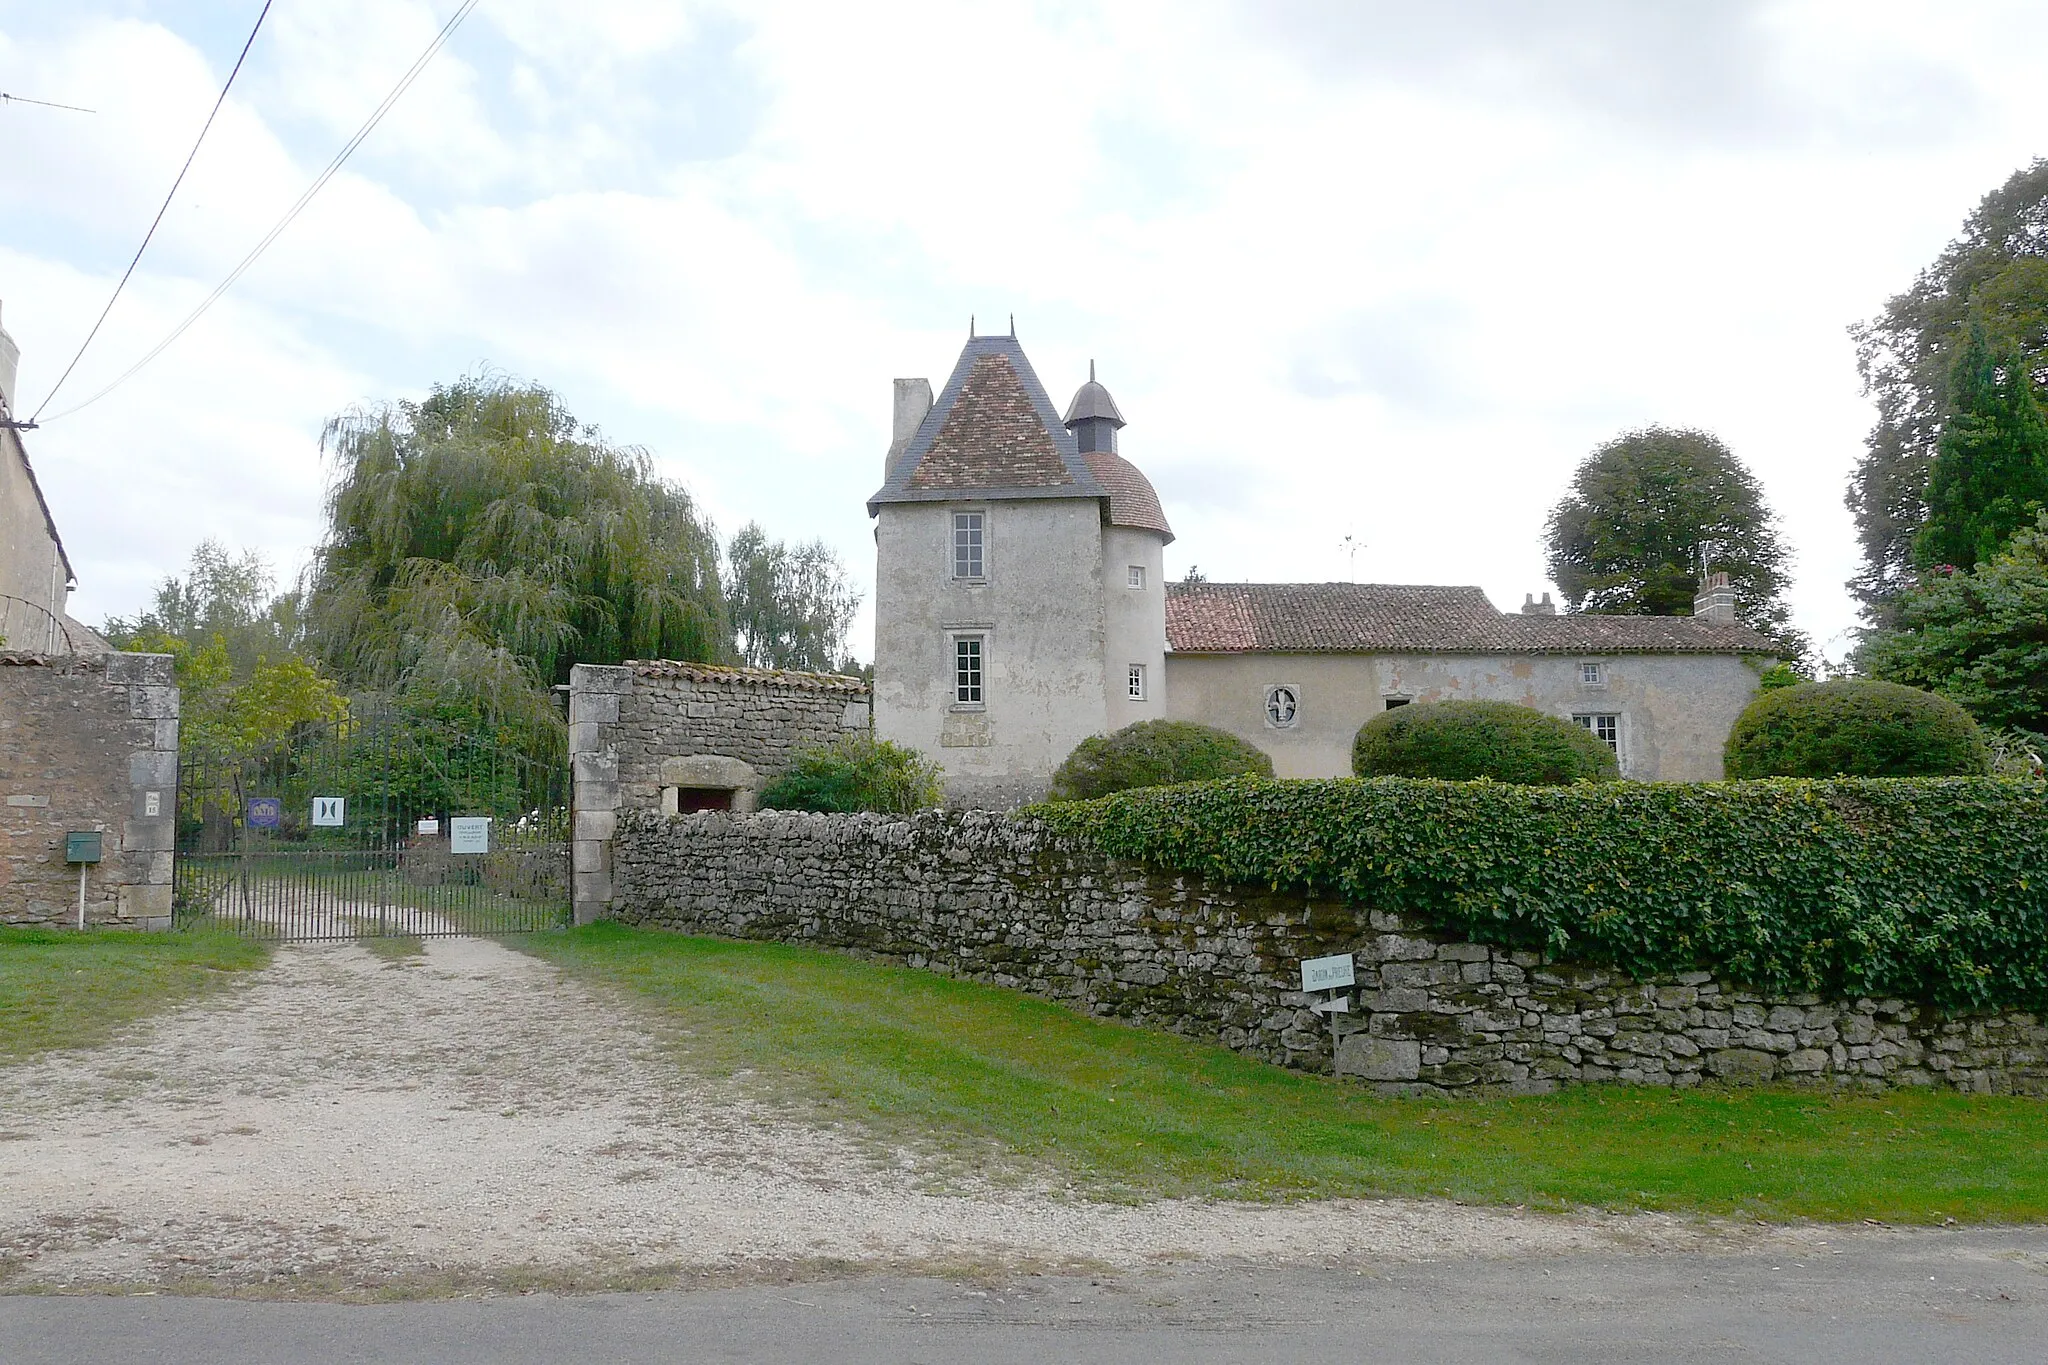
x=62 y=988
x=1124 y=1112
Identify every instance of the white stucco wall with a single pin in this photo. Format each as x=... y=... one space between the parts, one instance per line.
x=1041 y=610
x=1676 y=709
x=1134 y=624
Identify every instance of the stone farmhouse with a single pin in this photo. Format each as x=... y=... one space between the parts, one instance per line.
x=1021 y=606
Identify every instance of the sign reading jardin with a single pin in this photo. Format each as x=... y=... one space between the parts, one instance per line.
x=469 y=834
x=1327 y=973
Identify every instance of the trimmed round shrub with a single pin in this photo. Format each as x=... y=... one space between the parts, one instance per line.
x=1465 y=740
x=857 y=772
x=1155 y=753
x=1855 y=727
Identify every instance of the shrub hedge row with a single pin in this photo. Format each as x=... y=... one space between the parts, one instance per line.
x=1931 y=889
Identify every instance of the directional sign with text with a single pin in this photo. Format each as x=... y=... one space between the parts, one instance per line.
x=1327 y=973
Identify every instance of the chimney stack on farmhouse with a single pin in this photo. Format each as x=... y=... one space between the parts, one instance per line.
x=913 y=401
x=10 y=357
x=1716 y=601
x=1531 y=607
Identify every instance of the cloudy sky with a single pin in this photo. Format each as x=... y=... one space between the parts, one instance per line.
x=1363 y=272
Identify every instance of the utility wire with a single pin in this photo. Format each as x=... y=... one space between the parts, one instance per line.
x=6 y=98
x=376 y=116
x=158 y=220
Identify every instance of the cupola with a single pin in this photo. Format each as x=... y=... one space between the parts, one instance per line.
x=1093 y=417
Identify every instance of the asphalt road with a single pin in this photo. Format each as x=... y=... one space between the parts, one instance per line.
x=1935 y=1296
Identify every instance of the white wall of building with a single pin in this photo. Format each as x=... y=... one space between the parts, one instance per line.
x=1134 y=621
x=33 y=586
x=1039 y=610
x=1675 y=709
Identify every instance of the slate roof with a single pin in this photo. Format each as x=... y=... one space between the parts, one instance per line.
x=1388 y=618
x=994 y=433
x=733 y=673
x=1131 y=499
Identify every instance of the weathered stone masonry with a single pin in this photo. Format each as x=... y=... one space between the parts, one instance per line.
x=87 y=743
x=641 y=733
x=1003 y=900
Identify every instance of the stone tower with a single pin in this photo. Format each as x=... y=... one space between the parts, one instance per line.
x=1018 y=601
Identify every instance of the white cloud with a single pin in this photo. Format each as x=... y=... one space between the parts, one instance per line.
x=1362 y=269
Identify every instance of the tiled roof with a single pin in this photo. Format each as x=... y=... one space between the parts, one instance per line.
x=1363 y=618
x=992 y=437
x=1131 y=499
x=732 y=673
x=993 y=433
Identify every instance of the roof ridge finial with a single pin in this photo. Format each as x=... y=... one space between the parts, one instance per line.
x=1013 y=326
x=1091 y=369
x=970 y=326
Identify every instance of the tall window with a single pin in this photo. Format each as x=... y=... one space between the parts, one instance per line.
x=967 y=661
x=1606 y=725
x=1135 y=576
x=1135 y=688
x=967 y=546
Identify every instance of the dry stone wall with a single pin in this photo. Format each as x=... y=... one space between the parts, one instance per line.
x=1001 y=899
x=640 y=728
x=87 y=743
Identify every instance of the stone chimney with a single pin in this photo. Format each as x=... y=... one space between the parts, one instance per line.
x=10 y=358
x=1531 y=607
x=913 y=401
x=1716 y=601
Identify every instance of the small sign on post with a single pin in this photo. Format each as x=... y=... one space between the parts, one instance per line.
x=469 y=834
x=1327 y=973
x=328 y=811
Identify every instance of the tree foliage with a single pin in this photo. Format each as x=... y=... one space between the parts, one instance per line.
x=1855 y=727
x=1154 y=753
x=1995 y=273
x=790 y=605
x=857 y=772
x=1649 y=513
x=1979 y=637
x=221 y=597
x=1990 y=474
x=1461 y=741
x=1927 y=889
x=481 y=542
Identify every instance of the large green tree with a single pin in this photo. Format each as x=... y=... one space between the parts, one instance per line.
x=791 y=605
x=481 y=542
x=1990 y=474
x=1649 y=513
x=1995 y=273
x=1978 y=637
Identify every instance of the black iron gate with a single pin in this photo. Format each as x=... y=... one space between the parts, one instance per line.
x=384 y=822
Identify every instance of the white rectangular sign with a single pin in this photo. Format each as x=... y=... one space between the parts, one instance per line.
x=427 y=826
x=469 y=834
x=327 y=810
x=1327 y=973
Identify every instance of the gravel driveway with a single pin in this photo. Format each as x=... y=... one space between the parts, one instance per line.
x=474 y=1118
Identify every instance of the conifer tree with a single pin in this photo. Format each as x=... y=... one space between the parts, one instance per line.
x=1990 y=474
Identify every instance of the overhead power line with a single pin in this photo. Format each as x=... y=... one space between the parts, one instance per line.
x=161 y=210
x=319 y=182
x=6 y=98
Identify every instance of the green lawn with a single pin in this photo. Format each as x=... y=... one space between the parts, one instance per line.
x=62 y=988
x=1003 y=1079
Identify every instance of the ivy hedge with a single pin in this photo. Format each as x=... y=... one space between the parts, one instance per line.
x=1927 y=889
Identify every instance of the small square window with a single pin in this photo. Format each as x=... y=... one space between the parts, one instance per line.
x=1135 y=687
x=1593 y=673
x=1606 y=726
x=1393 y=702
x=1135 y=576
x=967 y=670
x=968 y=543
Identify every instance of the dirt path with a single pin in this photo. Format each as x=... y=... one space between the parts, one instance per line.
x=474 y=1117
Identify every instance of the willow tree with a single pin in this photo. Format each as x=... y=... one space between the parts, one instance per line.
x=482 y=542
